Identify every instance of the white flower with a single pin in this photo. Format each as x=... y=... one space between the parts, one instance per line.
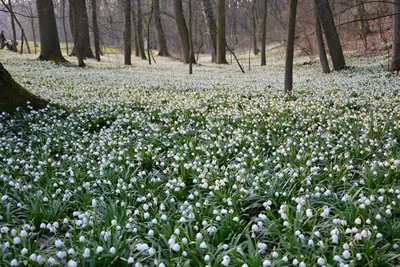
x=379 y=235
x=207 y=257
x=203 y=245
x=72 y=263
x=358 y=221
x=71 y=251
x=58 y=243
x=275 y=254
x=33 y=257
x=176 y=247
x=82 y=238
x=267 y=263
x=112 y=250
x=131 y=260
x=61 y=254
x=199 y=236
x=226 y=260
x=99 y=249
x=321 y=261
x=302 y=264
x=261 y=246
x=86 y=253
x=17 y=240
x=14 y=262
x=24 y=251
x=346 y=254
x=152 y=251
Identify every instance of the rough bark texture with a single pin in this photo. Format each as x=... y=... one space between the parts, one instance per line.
x=140 y=30
x=321 y=47
x=49 y=42
x=264 y=34
x=96 y=32
x=162 y=43
x=211 y=26
x=128 y=32
x=13 y=26
x=183 y=31
x=221 y=36
x=332 y=38
x=395 y=65
x=13 y=95
x=290 y=48
x=361 y=16
x=79 y=16
x=135 y=32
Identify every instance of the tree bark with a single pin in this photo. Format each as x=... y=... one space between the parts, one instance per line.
x=221 y=35
x=361 y=14
x=64 y=28
x=31 y=18
x=49 y=42
x=135 y=31
x=183 y=31
x=332 y=38
x=128 y=32
x=14 y=32
x=191 y=54
x=395 y=64
x=79 y=16
x=140 y=30
x=96 y=32
x=321 y=47
x=162 y=43
x=13 y=95
x=290 y=48
x=254 y=22
x=211 y=26
x=264 y=34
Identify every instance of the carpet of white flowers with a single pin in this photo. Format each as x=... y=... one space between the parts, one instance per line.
x=152 y=167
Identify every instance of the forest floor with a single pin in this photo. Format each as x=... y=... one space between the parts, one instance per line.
x=155 y=167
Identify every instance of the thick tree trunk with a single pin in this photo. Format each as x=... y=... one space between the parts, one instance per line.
x=14 y=95
x=221 y=35
x=321 y=47
x=49 y=42
x=14 y=32
x=290 y=48
x=183 y=31
x=135 y=31
x=332 y=38
x=395 y=65
x=140 y=30
x=162 y=43
x=264 y=34
x=361 y=15
x=211 y=26
x=96 y=32
x=127 y=32
x=83 y=22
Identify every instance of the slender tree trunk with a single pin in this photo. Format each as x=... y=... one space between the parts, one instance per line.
x=361 y=15
x=254 y=21
x=140 y=30
x=14 y=32
x=127 y=32
x=83 y=26
x=332 y=38
x=64 y=27
x=221 y=35
x=96 y=32
x=135 y=30
x=13 y=95
x=211 y=26
x=190 y=38
x=31 y=19
x=290 y=48
x=395 y=65
x=183 y=31
x=79 y=16
x=264 y=34
x=321 y=47
x=162 y=43
x=49 y=42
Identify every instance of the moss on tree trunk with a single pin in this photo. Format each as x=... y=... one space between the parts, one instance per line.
x=13 y=95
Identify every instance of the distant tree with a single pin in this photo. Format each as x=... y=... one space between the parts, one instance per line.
x=183 y=31
x=13 y=95
x=321 y=47
x=96 y=32
x=290 y=48
x=140 y=30
x=211 y=26
x=64 y=27
x=79 y=22
x=264 y=34
x=127 y=32
x=362 y=18
x=49 y=42
x=135 y=30
x=254 y=24
x=332 y=38
x=191 y=53
x=221 y=36
x=395 y=65
x=14 y=43
x=162 y=43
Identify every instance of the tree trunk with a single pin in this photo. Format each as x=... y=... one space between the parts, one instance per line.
x=14 y=32
x=332 y=38
x=14 y=95
x=290 y=48
x=79 y=17
x=264 y=34
x=211 y=26
x=64 y=28
x=128 y=32
x=221 y=35
x=31 y=17
x=254 y=22
x=321 y=47
x=83 y=22
x=190 y=38
x=135 y=31
x=361 y=15
x=49 y=42
x=140 y=30
x=162 y=43
x=96 y=32
x=395 y=65
x=183 y=31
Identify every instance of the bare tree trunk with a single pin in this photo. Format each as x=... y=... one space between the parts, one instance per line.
x=140 y=30
x=183 y=31
x=31 y=17
x=361 y=14
x=127 y=32
x=190 y=38
x=332 y=38
x=290 y=48
x=395 y=65
x=79 y=17
x=64 y=28
x=221 y=36
x=264 y=34
x=321 y=47
x=13 y=95
x=135 y=30
x=96 y=32
x=14 y=32
x=254 y=21
x=162 y=43
x=211 y=26
x=83 y=26
x=49 y=42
